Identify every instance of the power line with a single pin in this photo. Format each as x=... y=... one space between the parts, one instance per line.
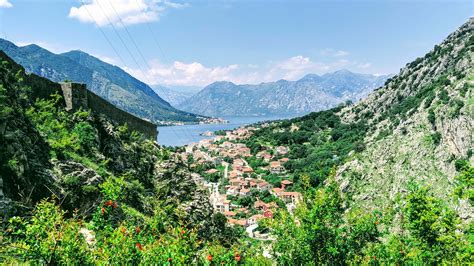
x=154 y=37
x=127 y=48
x=120 y=38
x=129 y=35
x=107 y=38
x=136 y=47
x=103 y=33
x=152 y=33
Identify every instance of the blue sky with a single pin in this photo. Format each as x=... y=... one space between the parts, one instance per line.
x=197 y=42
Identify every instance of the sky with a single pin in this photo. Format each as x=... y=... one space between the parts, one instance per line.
x=195 y=43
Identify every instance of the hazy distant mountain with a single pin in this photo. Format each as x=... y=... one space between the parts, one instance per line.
x=311 y=93
x=108 y=81
x=175 y=95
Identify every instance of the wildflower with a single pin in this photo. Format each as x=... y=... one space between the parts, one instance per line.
x=377 y=222
x=170 y=259
x=115 y=205
x=137 y=229
x=209 y=257
x=102 y=210
x=139 y=246
x=123 y=230
x=237 y=257
x=182 y=232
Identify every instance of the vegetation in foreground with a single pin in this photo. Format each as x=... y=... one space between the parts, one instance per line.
x=115 y=197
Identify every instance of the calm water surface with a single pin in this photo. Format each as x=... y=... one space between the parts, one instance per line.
x=183 y=135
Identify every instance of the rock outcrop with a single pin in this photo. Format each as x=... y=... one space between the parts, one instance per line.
x=422 y=121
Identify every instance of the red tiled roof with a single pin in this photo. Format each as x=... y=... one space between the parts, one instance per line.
x=229 y=213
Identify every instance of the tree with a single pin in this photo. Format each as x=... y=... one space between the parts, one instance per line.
x=432 y=226
x=318 y=232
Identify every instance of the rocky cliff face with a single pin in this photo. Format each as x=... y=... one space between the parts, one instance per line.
x=421 y=122
x=24 y=164
x=309 y=94
x=47 y=151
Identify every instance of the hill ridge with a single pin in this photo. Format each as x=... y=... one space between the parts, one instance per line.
x=106 y=80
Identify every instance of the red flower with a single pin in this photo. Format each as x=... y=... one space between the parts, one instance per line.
x=102 y=210
x=237 y=257
x=139 y=246
x=137 y=230
x=377 y=222
x=123 y=230
x=182 y=232
x=170 y=259
x=209 y=257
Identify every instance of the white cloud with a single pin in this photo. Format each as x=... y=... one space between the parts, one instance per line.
x=293 y=68
x=121 y=12
x=197 y=74
x=5 y=4
x=180 y=73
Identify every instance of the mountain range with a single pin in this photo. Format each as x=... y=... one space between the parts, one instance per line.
x=176 y=95
x=161 y=104
x=106 y=80
x=310 y=93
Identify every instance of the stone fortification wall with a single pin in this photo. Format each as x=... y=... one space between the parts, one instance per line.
x=77 y=96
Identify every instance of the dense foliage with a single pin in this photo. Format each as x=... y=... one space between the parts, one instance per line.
x=321 y=142
x=115 y=197
x=430 y=232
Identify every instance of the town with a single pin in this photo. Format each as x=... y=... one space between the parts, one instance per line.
x=245 y=185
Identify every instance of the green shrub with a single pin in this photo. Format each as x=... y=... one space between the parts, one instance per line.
x=456 y=106
x=464 y=187
x=48 y=238
x=436 y=138
x=443 y=96
x=86 y=136
x=432 y=117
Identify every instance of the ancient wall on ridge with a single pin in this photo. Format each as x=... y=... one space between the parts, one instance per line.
x=76 y=96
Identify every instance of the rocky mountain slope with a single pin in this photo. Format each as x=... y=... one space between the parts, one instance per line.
x=175 y=95
x=107 y=81
x=416 y=129
x=421 y=123
x=309 y=94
